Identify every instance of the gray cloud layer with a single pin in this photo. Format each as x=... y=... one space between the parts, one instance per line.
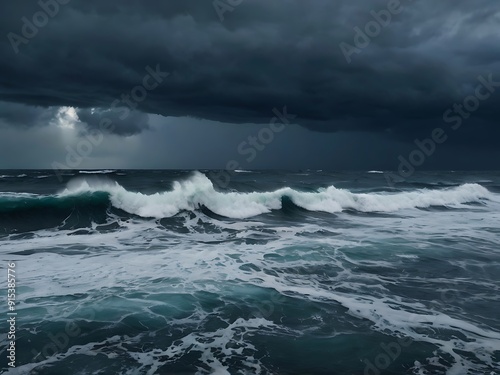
x=127 y=122
x=26 y=116
x=264 y=54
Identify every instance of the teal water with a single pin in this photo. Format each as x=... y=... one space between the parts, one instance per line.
x=310 y=272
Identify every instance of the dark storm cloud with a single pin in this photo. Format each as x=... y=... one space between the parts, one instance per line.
x=127 y=122
x=25 y=115
x=264 y=54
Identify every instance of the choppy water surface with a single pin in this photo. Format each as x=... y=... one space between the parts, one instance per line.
x=310 y=272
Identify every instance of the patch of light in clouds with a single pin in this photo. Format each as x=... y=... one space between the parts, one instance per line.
x=67 y=117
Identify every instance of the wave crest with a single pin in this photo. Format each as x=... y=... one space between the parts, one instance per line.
x=198 y=191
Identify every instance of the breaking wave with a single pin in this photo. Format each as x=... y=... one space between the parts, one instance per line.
x=198 y=191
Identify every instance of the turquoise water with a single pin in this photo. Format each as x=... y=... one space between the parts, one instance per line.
x=311 y=272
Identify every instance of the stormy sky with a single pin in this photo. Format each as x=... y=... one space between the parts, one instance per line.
x=268 y=84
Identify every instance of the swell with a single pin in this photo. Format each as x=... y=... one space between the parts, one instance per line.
x=93 y=198
x=32 y=202
x=28 y=212
x=198 y=191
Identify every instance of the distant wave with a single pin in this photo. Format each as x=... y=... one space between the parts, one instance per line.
x=375 y=172
x=104 y=171
x=242 y=171
x=12 y=176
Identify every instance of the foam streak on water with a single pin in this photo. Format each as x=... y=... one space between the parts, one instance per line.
x=163 y=272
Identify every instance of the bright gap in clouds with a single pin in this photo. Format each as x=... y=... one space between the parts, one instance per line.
x=67 y=117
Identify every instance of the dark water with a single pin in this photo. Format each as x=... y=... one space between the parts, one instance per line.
x=311 y=272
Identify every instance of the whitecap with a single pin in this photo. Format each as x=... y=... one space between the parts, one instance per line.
x=198 y=190
x=104 y=171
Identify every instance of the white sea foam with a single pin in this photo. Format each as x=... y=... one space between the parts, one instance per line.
x=198 y=191
x=198 y=265
x=14 y=195
x=360 y=267
x=104 y=171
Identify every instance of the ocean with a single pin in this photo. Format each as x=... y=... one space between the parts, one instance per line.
x=265 y=272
